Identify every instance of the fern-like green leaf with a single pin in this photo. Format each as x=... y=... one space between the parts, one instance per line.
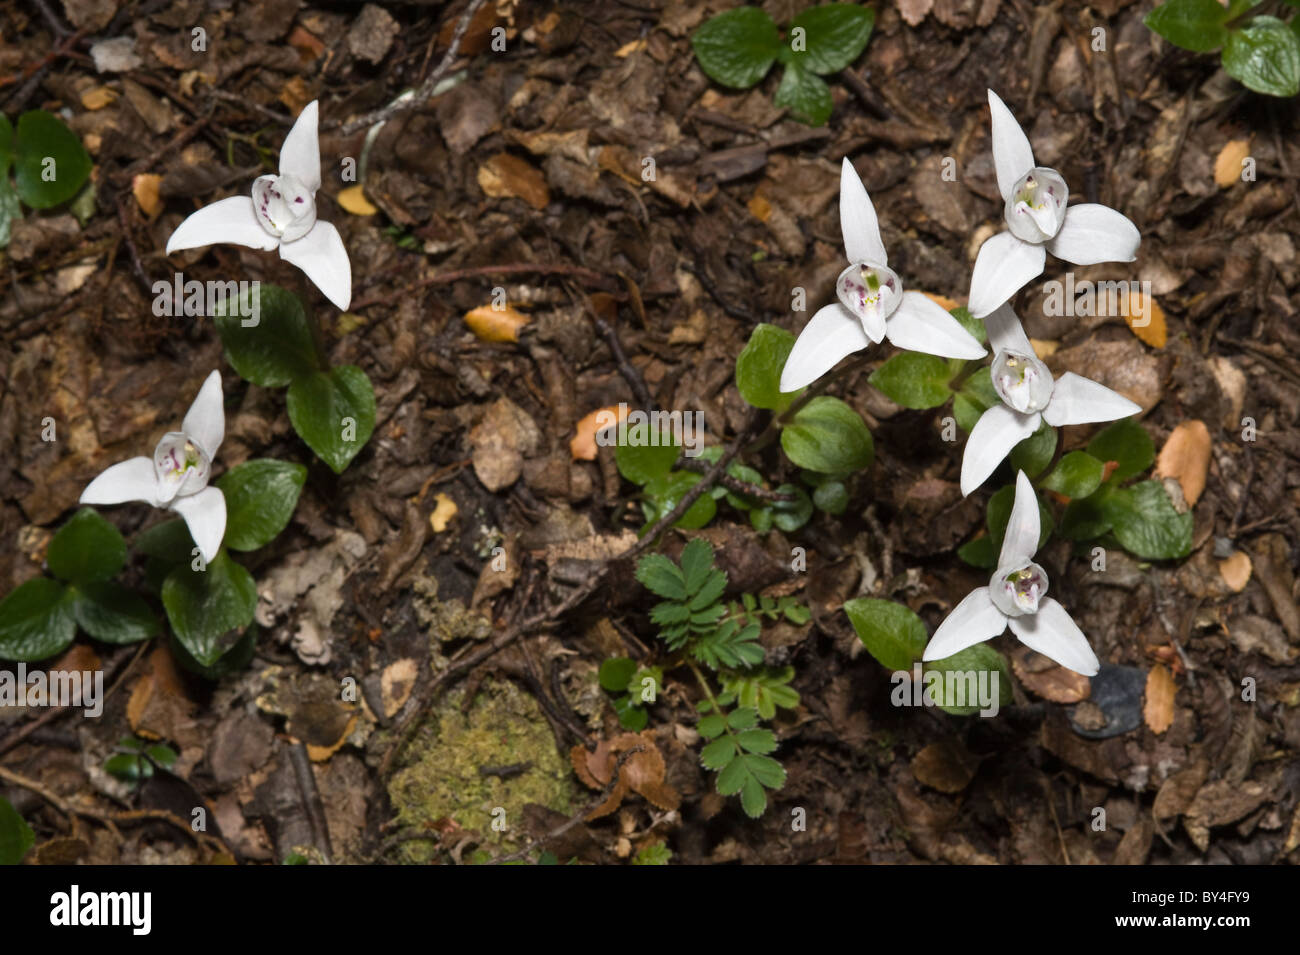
x=718 y=754
x=669 y=612
x=697 y=561
x=659 y=574
x=709 y=591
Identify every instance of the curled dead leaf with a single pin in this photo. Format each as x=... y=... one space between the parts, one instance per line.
x=98 y=97
x=506 y=176
x=1144 y=316
x=492 y=324
x=583 y=445
x=641 y=772
x=353 y=199
x=1159 y=709
x=1185 y=457
x=145 y=188
x=1235 y=569
x=1044 y=677
x=1228 y=164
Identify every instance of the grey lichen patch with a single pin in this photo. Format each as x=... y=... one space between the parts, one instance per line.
x=443 y=777
x=445 y=620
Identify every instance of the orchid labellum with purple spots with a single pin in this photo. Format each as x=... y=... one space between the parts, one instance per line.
x=1038 y=221
x=281 y=214
x=872 y=305
x=1016 y=597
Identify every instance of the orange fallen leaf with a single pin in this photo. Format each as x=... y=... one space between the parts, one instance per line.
x=1044 y=677
x=98 y=97
x=1227 y=165
x=1159 y=709
x=1186 y=458
x=583 y=445
x=1144 y=316
x=353 y=199
x=508 y=177
x=1235 y=570
x=1044 y=348
x=308 y=46
x=760 y=208
x=145 y=188
x=492 y=324
x=642 y=772
x=444 y=510
x=942 y=301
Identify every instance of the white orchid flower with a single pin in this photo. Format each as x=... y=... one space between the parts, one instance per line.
x=1029 y=396
x=1038 y=221
x=872 y=304
x=1016 y=597
x=281 y=214
x=176 y=477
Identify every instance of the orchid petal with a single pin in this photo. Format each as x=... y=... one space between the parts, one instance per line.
x=131 y=480
x=920 y=324
x=205 y=516
x=830 y=335
x=320 y=253
x=1003 y=267
x=998 y=431
x=1020 y=540
x=300 y=154
x=972 y=621
x=1012 y=154
x=1006 y=333
x=1094 y=233
x=1052 y=633
x=205 y=422
x=1079 y=400
x=858 y=221
x=227 y=220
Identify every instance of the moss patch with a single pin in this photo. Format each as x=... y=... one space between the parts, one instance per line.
x=441 y=778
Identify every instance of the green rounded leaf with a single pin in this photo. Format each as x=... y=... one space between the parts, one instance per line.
x=270 y=345
x=334 y=413
x=828 y=436
x=233 y=660
x=86 y=548
x=260 y=498
x=16 y=837
x=914 y=380
x=1084 y=518
x=169 y=541
x=805 y=95
x=641 y=461
x=1264 y=56
x=758 y=369
x=960 y=695
x=1146 y=524
x=737 y=48
x=36 y=621
x=979 y=553
x=1076 y=475
x=1127 y=444
x=50 y=164
x=1196 y=25
x=833 y=37
x=111 y=613
x=205 y=606
x=6 y=146
x=891 y=632
x=663 y=493
x=10 y=210
x=789 y=516
x=616 y=673
x=1035 y=452
x=831 y=497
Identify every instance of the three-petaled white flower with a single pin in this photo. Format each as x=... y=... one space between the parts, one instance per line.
x=281 y=214
x=872 y=304
x=176 y=476
x=1030 y=396
x=1038 y=220
x=1016 y=597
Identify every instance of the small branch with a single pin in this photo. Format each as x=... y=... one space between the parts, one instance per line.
x=629 y=373
x=311 y=801
x=699 y=466
x=404 y=103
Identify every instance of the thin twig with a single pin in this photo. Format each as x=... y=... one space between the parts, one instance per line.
x=586 y=276
x=311 y=801
x=699 y=466
x=425 y=91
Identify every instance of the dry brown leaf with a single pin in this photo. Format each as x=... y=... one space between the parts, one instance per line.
x=1043 y=677
x=353 y=199
x=583 y=445
x=1185 y=457
x=443 y=511
x=642 y=772
x=760 y=208
x=1235 y=569
x=1144 y=316
x=159 y=707
x=145 y=189
x=296 y=95
x=508 y=177
x=500 y=442
x=1159 y=709
x=945 y=766
x=1227 y=165
x=491 y=324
